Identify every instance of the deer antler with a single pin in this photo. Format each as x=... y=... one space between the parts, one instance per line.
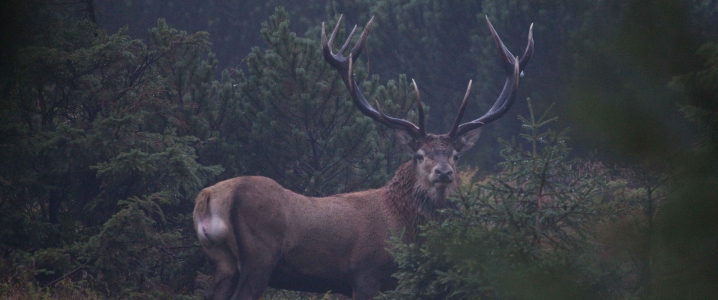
x=513 y=66
x=344 y=65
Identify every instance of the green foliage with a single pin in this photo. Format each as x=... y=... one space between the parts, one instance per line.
x=525 y=233
x=297 y=125
x=99 y=172
x=17 y=289
x=632 y=93
x=701 y=97
x=302 y=106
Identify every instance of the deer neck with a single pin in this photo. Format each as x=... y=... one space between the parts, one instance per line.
x=413 y=201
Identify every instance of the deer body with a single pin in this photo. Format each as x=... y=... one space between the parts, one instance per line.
x=260 y=234
x=311 y=244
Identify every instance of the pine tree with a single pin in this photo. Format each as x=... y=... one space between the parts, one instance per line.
x=99 y=168
x=296 y=124
x=531 y=226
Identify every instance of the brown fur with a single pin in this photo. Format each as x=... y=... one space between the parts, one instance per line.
x=286 y=240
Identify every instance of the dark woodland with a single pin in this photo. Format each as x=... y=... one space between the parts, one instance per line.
x=599 y=183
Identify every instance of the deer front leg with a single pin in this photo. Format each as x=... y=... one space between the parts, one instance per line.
x=366 y=286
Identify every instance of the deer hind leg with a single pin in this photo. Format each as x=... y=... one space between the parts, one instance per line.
x=258 y=261
x=226 y=275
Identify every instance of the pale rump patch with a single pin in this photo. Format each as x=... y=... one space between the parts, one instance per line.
x=213 y=227
x=218 y=228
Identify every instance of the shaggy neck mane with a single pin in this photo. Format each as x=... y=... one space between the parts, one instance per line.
x=413 y=201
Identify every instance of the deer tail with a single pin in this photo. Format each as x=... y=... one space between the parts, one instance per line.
x=203 y=216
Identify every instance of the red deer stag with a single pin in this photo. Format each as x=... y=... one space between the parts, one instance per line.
x=260 y=234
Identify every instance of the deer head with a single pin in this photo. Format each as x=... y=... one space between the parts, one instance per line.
x=435 y=155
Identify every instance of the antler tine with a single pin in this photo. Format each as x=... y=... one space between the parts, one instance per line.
x=334 y=32
x=359 y=46
x=529 y=49
x=420 y=109
x=504 y=52
x=344 y=64
x=349 y=39
x=513 y=66
x=454 y=127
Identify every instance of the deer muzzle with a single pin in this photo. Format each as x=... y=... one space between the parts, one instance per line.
x=443 y=175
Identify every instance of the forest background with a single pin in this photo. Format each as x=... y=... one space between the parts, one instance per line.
x=116 y=113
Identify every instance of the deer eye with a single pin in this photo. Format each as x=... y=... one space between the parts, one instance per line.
x=419 y=158
x=456 y=157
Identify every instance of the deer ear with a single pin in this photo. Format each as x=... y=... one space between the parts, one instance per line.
x=467 y=140
x=408 y=141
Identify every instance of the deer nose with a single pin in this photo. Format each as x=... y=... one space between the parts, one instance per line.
x=444 y=175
